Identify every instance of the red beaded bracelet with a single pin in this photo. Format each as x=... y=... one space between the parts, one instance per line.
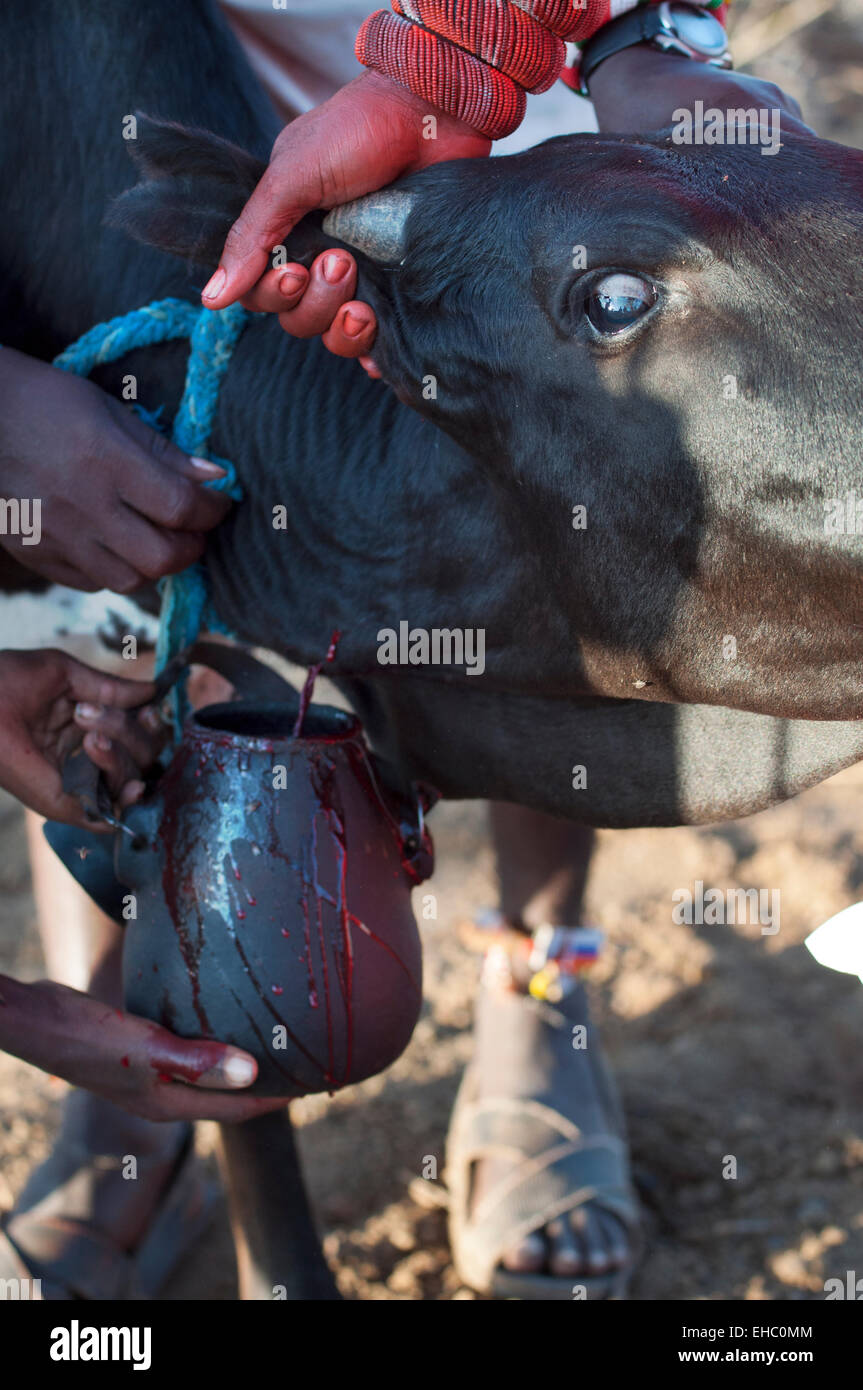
x=475 y=59
x=498 y=33
x=575 y=22
x=442 y=74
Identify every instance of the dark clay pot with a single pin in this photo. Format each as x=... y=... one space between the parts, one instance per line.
x=278 y=919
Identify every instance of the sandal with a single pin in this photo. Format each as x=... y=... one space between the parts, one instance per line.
x=556 y=1168
x=67 y=1260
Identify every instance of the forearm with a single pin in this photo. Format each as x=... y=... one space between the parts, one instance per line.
x=640 y=88
x=128 y=1060
x=19 y=376
x=26 y=1028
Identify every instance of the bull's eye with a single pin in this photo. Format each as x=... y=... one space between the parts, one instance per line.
x=619 y=300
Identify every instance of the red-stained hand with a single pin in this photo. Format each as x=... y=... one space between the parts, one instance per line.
x=366 y=136
x=133 y=1063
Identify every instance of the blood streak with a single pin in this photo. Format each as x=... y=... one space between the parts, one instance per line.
x=256 y=985
x=184 y=1071
x=323 y=780
x=271 y=1009
x=322 y=773
x=306 y=698
x=309 y=685
x=301 y=1087
x=389 y=950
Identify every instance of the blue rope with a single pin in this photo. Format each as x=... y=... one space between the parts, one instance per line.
x=186 y=606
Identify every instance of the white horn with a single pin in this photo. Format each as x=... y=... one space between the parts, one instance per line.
x=375 y=225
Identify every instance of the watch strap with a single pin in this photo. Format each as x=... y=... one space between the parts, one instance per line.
x=637 y=26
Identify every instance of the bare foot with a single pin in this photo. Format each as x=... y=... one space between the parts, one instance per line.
x=519 y=1056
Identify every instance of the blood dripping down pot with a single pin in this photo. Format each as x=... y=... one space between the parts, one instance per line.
x=271 y=879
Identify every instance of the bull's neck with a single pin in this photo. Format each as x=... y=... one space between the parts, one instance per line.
x=342 y=486
x=290 y=410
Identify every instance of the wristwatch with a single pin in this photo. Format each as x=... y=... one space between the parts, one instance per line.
x=673 y=27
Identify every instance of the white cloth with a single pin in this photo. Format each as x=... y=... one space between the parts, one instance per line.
x=303 y=51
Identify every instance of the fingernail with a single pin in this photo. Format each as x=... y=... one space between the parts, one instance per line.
x=207 y=469
x=353 y=325
x=85 y=711
x=133 y=791
x=151 y=719
x=215 y=284
x=238 y=1071
x=290 y=283
x=102 y=741
x=335 y=269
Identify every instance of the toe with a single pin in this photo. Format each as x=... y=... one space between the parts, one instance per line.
x=595 y=1241
x=616 y=1239
x=528 y=1256
x=566 y=1251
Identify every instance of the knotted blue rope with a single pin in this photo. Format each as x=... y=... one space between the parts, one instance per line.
x=186 y=607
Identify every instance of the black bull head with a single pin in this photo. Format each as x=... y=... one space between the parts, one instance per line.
x=646 y=363
x=691 y=646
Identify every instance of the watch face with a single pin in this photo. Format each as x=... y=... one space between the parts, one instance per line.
x=702 y=31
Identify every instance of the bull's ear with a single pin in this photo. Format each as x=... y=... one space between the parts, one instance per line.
x=192 y=186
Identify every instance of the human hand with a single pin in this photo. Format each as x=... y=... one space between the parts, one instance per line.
x=640 y=88
x=46 y=699
x=120 y=505
x=130 y=1061
x=368 y=134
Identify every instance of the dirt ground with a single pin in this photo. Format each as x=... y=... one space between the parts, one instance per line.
x=726 y=1042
